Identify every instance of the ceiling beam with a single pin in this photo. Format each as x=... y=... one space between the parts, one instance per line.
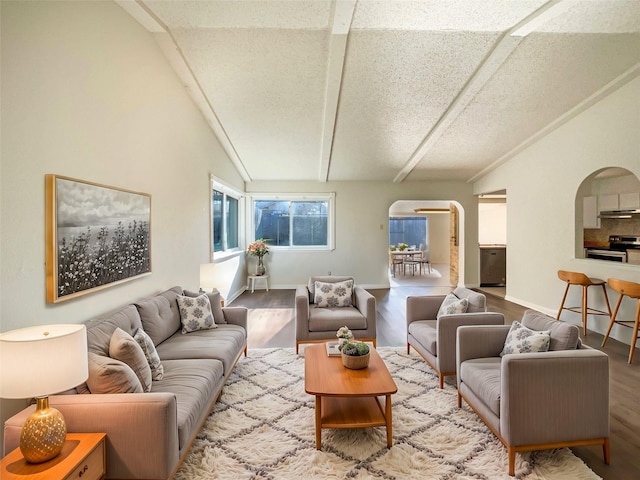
x=490 y=65
x=342 y=16
x=138 y=10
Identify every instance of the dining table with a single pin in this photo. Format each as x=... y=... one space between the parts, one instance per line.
x=403 y=256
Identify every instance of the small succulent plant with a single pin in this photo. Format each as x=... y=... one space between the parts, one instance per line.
x=355 y=349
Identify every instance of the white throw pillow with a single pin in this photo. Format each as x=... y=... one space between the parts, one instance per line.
x=336 y=294
x=195 y=313
x=453 y=305
x=150 y=352
x=524 y=340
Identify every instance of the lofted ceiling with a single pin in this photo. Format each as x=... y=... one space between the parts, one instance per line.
x=390 y=90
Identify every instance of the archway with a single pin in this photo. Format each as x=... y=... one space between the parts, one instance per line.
x=607 y=207
x=444 y=237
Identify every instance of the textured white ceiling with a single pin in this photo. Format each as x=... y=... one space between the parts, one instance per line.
x=390 y=89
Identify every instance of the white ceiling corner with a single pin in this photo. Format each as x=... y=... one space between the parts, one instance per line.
x=333 y=90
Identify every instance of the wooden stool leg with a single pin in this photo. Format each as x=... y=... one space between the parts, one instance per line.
x=585 y=304
x=606 y=298
x=613 y=320
x=635 y=334
x=564 y=297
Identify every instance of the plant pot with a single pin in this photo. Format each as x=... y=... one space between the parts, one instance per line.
x=355 y=362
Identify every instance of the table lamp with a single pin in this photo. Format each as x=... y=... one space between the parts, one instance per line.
x=37 y=362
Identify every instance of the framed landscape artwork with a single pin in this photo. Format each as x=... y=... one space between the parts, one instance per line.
x=96 y=236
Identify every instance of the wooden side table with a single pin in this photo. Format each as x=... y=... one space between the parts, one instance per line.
x=83 y=456
x=254 y=278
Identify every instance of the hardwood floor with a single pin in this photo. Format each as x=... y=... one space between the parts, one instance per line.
x=272 y=324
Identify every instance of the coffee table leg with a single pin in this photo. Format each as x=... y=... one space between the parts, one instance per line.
x=318 y=422
x=387 y=415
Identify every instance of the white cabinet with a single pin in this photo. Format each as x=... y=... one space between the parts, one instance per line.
x=629 y=200
x=608 y=202
x=590 y=212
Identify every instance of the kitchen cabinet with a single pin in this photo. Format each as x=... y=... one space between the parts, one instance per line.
x=608 y=202
x=629 y=200
x=590 y=212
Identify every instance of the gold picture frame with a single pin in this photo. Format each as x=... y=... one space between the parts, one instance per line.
x=97 y=236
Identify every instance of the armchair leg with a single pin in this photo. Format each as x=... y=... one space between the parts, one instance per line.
x=606 y=451
x=512 y=461
x=441 y=380
x=297 y=345
x=408 y=349
x=459 y=400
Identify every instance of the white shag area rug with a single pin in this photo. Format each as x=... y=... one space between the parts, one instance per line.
x=263 y=427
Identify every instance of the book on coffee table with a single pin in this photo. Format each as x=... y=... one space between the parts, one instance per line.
x=332 y=349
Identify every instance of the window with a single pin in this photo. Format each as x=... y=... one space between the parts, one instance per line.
x=225 y=212
x=409 y=230
x=293 y=222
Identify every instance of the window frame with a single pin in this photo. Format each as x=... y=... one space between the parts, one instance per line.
x=294 y=197
x=217 y=185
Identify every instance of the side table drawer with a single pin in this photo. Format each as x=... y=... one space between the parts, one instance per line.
x=92 y=467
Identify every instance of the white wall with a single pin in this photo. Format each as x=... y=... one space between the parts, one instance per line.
x=492 y=223
x=542 y=183
x=362 y=224
x=86 y=93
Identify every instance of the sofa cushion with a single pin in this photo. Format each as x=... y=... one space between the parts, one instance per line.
x=223 y=343
x=335 y=294
x=160 y=316
x=564 y=336
x=150 y=353
x=521 y=339
x=452 y=305
x=123 y=347
x=331 y=319
x=482 y=376
x=194 y=382
x=424 y=331
x=108 y=375
x=216 y=304
x=100 y=329
x=195 y=313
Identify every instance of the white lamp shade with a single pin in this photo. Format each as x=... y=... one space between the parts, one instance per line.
x=42 y=360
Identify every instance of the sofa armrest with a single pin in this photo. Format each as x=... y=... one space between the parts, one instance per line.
x=236 y=316
x=479 y=341
x=302 y=309
x=366 y=304
x=423 y=307
x=569 y=389
x=447 y=326
x=141 y=428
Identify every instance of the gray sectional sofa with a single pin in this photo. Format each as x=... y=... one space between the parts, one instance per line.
x=148 y=434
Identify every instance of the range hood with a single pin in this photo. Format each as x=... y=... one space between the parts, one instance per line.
x=629 y=213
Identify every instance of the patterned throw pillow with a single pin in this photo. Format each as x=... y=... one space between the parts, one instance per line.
x=149 y=349
x=524 y=340
x=336 y=294
x=453 y=305
x=195 y=313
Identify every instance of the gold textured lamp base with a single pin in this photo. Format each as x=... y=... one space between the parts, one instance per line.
x=43 y=434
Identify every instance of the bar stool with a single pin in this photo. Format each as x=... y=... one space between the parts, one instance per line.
x=576 y=278
x=631 y=290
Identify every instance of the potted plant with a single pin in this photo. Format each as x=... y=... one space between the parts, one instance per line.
x=344 y=336
x=355 y=355
x=259 y=249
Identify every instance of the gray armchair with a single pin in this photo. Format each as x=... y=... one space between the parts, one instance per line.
x=435 y=338
x=318 y=324
x=535 y=401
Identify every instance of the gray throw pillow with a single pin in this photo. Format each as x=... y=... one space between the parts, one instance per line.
x=124 y=348
x=195 y=313
x=108 y=375
x=336 y=294
x=453 y=305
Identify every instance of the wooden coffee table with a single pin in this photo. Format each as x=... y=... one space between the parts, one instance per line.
x=348 y=398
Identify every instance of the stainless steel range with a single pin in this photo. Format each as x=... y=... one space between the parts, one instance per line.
x=622 y=248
